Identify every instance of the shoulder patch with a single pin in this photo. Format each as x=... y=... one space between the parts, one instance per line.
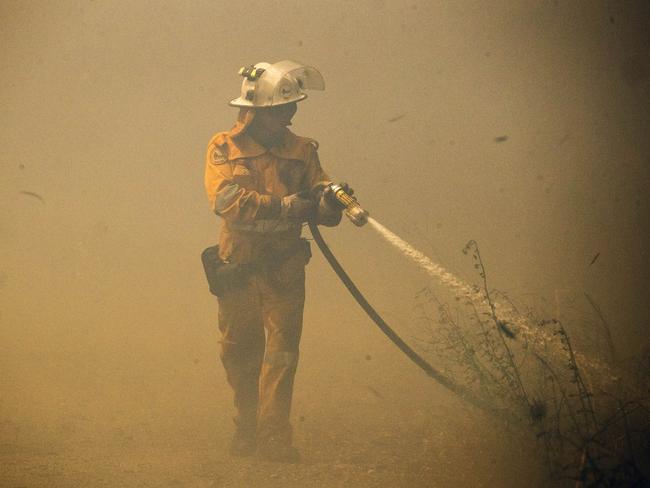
x=219 y=156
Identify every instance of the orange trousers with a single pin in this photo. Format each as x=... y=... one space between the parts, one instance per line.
x=261 y=367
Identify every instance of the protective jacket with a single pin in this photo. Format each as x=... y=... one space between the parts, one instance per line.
x=245 y=183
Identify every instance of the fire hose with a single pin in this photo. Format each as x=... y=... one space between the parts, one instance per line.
x=359 y=217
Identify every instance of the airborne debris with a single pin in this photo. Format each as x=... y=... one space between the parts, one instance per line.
x=374 y=391
x=500 y=139
x=33 y=194
x=396 y=118
x=594 y=259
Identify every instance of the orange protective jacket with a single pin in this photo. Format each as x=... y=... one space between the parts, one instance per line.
x=245 y=183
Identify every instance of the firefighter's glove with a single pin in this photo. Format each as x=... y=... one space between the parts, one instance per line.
x=329 y=198
x=297 y=208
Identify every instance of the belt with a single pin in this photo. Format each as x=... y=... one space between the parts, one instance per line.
x=265 y=226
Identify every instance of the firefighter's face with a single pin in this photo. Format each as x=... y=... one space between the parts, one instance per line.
x=274 y=119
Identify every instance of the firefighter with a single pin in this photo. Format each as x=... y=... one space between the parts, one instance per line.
x=265 y=182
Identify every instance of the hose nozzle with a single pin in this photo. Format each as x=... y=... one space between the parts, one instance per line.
x=353 y=210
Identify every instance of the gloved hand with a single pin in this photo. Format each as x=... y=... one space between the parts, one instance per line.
x=330 y=197
x=297 y=208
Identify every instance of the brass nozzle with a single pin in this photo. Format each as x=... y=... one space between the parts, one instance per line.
x=353 y=210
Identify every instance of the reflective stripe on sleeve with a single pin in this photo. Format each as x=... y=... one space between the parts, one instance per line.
x=225 y=197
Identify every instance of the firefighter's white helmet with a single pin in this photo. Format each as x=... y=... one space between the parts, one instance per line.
x=267 y=85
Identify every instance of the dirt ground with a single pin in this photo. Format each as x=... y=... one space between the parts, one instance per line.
x=403 y=454
x=384 y=458
x=356 y=425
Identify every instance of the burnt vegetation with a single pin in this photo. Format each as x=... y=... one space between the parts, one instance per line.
x=588 y=413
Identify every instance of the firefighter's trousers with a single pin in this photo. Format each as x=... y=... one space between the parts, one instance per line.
x=261 y=367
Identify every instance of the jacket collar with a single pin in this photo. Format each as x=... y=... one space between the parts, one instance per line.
x=244 y=146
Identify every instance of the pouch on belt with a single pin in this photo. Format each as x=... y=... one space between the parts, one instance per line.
x=223 y=277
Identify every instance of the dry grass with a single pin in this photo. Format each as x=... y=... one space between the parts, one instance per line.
x=591 y=419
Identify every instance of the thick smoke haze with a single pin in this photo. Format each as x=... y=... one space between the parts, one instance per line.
x=523 y=125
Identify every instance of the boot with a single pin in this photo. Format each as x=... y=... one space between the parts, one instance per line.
x=277 y=453
x=243 y=443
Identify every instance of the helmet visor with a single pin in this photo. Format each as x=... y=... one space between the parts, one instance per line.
x=308 y=77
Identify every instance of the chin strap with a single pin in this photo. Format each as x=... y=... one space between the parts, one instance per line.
x=389 y=332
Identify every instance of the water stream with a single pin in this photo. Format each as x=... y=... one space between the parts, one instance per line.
x=535 y=336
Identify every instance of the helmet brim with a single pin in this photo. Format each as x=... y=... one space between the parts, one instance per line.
x=242 y=102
